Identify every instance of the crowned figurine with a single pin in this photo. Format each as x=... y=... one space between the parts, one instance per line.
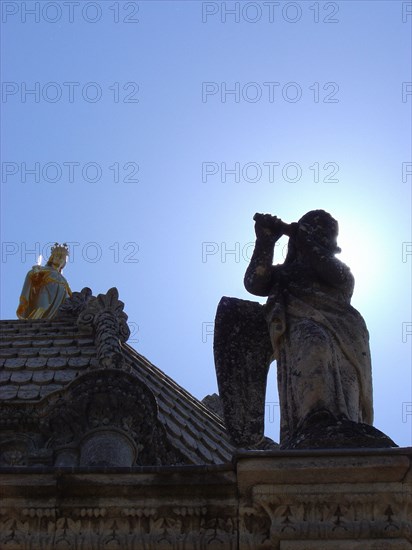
x=45 y=289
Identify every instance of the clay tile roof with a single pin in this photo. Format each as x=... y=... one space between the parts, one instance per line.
x=40 y=357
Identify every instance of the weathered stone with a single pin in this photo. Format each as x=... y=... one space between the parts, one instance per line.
x=214 y=404
x=327 y=432
x=105 y=314
x=320 y=342
x=243 y=353
x=74 y=305
x=262 y=501
x=108 y=448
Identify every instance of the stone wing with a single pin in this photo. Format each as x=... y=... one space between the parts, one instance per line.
x=243 y=353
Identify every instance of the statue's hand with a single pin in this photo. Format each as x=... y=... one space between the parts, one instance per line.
x=268 y=227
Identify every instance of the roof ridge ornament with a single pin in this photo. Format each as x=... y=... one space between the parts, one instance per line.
x=104 y=314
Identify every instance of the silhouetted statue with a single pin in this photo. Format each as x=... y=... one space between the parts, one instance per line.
x=320 y=342
x=45 y=289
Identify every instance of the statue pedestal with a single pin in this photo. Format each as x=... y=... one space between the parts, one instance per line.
x=355 y=499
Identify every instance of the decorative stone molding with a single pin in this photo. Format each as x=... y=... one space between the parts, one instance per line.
x=105 y=315
x=105 y=418
x=170 y=509
x=297 y=502
x=144 y=530
x=358 y=501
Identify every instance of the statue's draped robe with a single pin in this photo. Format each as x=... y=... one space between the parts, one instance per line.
x=321 y=344
x=44 y=291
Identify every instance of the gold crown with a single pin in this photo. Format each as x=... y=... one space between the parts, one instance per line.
x=59 y=249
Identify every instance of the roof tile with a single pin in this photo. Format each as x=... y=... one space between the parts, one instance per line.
x=8 y=392
x=6 y=353
x=22 y=376
x=44 y=343
x=17 y=363
x=57 y=362
x=188 y=439
x=4 y=376
x=48 y=352
x=204 y=452
x=175 y=429
x=21 y=343
x=70 y=352
x=79 y=362
x=65 y=376
x=29 y=391
x=43 y=376
x=28 y=352
x=211 y=444
x=36 y=362
x=85 y=342
x=88 y=352
x=63 y=343
x=4 y=344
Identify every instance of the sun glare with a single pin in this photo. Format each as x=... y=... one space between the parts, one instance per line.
x=360 y=254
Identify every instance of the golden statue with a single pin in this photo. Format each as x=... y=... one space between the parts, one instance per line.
x=45 y=288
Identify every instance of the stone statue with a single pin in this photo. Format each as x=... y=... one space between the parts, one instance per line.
x=320 y=342
x=45 y=289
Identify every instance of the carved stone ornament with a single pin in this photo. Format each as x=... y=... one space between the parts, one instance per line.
x=104 y=418
x=105 y=315
x=129 y=528
x=74 y=305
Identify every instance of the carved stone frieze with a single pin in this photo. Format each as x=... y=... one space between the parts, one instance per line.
x=129 y=529
x=331 y=497
x=329 y=515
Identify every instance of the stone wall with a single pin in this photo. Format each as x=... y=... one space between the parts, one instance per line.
x=297 y=500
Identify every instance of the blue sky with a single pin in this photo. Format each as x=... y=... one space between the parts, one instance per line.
x=133 y=148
